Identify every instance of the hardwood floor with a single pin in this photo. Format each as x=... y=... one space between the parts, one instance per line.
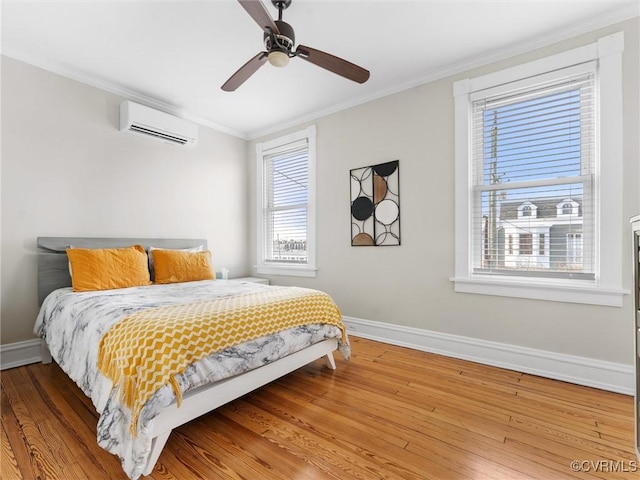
x=389 y=413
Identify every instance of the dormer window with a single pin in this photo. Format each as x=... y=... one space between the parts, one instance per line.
x=567 y=207
x=528 y=209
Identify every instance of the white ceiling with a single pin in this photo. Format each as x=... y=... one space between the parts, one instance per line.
x=175 y=55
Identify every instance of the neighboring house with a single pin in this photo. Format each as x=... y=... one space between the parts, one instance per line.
x=540 y=234
x=289 y=251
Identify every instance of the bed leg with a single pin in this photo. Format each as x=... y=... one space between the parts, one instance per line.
x=331 y=362
x=157 y=444
x=45 y=355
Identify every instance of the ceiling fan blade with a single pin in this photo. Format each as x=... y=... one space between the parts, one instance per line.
x=244 y=72
x=333 y=64
x=259 y=13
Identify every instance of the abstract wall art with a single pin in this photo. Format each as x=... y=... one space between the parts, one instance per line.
x=375 y=205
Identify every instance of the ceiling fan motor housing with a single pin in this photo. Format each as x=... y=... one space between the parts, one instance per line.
x=284 y=41
x=281 y=4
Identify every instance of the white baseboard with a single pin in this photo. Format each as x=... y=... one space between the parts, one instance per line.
x=614 y=377
x=20 y=353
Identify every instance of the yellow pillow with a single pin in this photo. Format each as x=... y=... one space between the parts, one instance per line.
x=108 y=268
x=174 y=266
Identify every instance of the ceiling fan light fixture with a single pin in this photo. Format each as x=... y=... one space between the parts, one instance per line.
x=278 y=59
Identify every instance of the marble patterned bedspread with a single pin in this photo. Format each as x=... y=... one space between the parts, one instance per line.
x=72 y=324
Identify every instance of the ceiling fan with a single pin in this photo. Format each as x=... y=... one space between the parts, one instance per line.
x=279 y=39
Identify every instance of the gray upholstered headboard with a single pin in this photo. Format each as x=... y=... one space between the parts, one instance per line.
x=53 y=265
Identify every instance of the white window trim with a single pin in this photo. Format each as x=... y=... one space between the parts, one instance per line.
x=308 y=270
x=607 y=287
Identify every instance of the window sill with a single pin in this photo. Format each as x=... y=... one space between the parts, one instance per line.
x=554 y=291
x=288 y=270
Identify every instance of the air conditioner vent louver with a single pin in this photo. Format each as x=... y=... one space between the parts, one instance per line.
x=164 y=136
x=141 y=120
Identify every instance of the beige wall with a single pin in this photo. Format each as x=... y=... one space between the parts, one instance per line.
x=409 y=285
x=68 y=171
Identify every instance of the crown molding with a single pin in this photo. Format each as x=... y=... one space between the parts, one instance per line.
x=111 y=87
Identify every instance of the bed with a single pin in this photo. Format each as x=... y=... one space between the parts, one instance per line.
x=83 y=320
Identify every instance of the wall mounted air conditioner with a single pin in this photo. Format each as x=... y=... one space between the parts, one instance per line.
x=141 y=120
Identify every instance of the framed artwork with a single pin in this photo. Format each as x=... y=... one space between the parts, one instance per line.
x=375 y=205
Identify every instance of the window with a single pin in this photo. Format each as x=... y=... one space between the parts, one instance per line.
x=532 y=135
x=526 y=244
x=534 y=143
x=286 y=205
x=574 y=250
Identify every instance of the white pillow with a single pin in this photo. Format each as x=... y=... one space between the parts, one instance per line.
x=70 y=270
x=152 y=269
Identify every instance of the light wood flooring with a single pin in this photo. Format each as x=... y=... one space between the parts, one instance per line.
x=389 y=413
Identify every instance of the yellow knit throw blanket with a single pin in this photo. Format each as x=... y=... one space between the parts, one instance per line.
x=147 y=349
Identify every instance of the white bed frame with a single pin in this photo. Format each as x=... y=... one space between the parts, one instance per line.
x=53 y=273
x=215 y=395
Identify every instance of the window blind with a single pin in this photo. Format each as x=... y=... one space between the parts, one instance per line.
x=286 y=185
x=533 y=165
